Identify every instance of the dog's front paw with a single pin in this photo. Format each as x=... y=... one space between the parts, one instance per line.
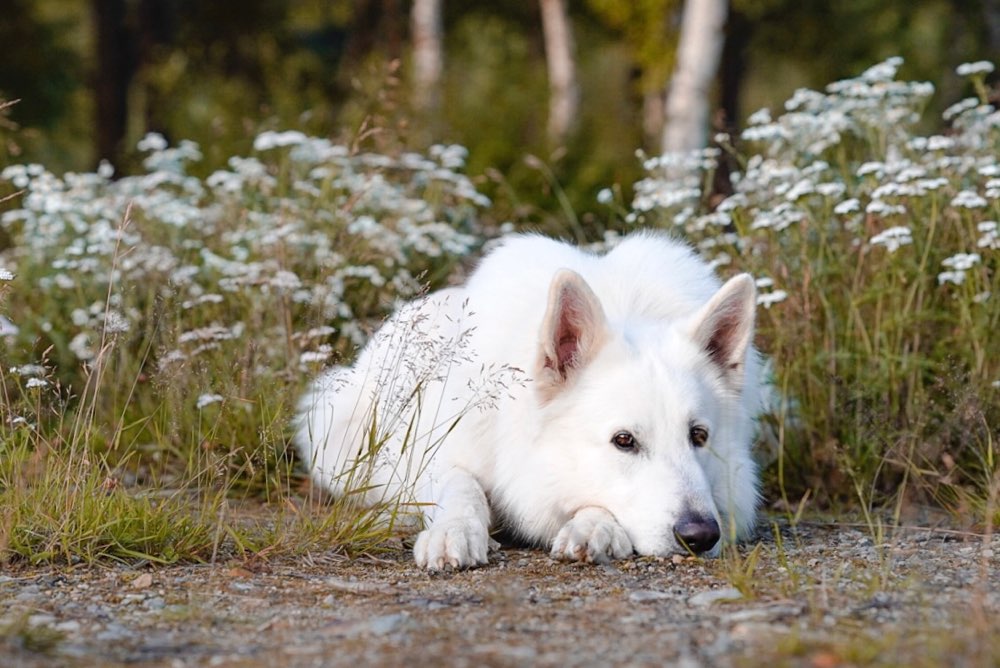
x=457 y=543
x=594 y=536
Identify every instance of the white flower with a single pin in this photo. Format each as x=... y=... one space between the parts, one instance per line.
x=6 y=275
x=880 y=208
x=766 y=299
x=991 y=235
x=152 y=142
x=28 y=370
x=451 y=156
x=8 y=328
x=36 y=382
x=960 y=108
x=760 y=117
x=207 y=400
x=800 y=189
x=968 y=199
x=867 y=168
x=956 y=277
x=80 y=346
x=978 y=67
x=605 y=196
x=320 y=355
x=285 y=280
x=940 y=143
x=831 y=189
x=847 y=206
x=268 y=140
x=115 y=323
x=893 y=238
x=962 y=261
x=764 y=282
x=884 y=71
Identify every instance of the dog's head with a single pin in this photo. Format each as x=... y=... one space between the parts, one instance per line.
x=646 y=419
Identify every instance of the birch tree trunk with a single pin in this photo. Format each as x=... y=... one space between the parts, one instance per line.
x=698 y=54
x=428 y=54
x=564 y=94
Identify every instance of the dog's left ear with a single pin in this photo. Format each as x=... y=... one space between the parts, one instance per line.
x=723 y=328
x=573 y=330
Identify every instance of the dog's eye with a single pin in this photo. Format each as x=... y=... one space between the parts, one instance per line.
x=698 y=436
x=625 y=441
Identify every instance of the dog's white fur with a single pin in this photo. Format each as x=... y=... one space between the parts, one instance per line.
x=643 y=340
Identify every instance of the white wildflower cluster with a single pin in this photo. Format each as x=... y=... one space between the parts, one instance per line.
x=814 y=122
x=207 y=400
x=893 y=238
x=845 y=166
x=957 y=265
x=303 y=226
x=674 y=184
x=766 y=294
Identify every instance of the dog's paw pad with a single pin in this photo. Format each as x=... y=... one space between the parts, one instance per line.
x=452 y=545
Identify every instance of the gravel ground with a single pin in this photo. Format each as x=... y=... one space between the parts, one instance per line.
x=819 y=595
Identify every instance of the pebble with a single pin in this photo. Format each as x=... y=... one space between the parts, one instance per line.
x=68 y=626
x=711 y=596
x=648 y=596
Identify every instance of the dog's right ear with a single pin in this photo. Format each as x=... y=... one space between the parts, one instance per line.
x=573 y=331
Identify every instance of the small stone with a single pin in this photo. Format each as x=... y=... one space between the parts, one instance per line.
x=648 y=596
x=144 y=581
x=713 y=596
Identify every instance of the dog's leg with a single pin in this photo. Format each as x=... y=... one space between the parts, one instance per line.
x=592 y=535
x=459 y=533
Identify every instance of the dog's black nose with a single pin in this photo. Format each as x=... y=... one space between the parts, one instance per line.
x=697 y=533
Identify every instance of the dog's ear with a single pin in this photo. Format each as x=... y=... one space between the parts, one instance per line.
x=573 y=331
x=723 y=328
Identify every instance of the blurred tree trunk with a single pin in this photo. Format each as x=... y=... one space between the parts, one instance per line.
x=698 y=53
x=735 y=55
x=428 y=54
x=564 y=95
x=112 y=78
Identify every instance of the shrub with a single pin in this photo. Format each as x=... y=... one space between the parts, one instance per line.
x=217 y=292
x=876 y=252
x=162 y=326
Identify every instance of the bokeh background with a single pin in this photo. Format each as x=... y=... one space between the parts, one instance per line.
x=94 y=76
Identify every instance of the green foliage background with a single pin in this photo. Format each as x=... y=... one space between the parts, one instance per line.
x=219 y=72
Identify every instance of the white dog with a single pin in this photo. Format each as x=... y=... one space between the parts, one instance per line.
x=596 y=405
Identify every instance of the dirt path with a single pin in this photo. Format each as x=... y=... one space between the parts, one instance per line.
x=817 y=596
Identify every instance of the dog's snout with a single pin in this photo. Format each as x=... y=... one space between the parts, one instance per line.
x=697 y=533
